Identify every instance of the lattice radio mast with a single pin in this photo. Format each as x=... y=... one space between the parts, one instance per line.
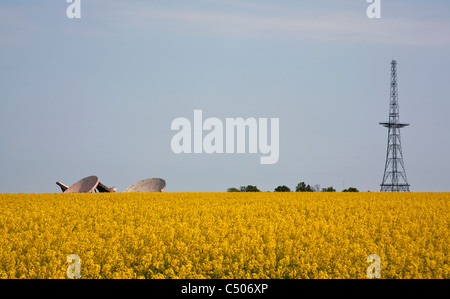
x=394 y=178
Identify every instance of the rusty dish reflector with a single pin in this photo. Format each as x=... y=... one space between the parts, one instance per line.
x=147 y=185
x=86 y=185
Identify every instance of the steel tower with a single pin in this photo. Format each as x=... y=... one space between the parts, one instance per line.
x=394 y=178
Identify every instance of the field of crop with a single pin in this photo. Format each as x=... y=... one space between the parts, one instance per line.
x=225 y=235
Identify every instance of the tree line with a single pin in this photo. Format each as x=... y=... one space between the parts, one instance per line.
x=301 y=187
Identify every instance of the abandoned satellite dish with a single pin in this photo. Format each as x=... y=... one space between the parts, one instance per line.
x=62 y=186
x=86 y=185
x=147 y=185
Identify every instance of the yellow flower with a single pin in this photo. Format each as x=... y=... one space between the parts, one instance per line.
x=225 y=235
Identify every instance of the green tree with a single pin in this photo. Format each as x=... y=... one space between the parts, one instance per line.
x=302 y=187
x=351 y=189
x=329 y=189
x=232 y=189
x=249 y=188
x=282 y=189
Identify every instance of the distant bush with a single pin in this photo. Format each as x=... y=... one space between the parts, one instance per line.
x=351 y=189
x=282 y=189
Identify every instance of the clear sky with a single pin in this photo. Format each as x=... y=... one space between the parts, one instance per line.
x=97 y=95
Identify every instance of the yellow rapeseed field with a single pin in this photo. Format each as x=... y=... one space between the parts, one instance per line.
x=225 y=235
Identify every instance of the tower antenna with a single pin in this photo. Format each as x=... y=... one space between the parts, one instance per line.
x=394 y=178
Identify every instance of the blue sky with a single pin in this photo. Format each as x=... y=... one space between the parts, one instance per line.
x=97 y=95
